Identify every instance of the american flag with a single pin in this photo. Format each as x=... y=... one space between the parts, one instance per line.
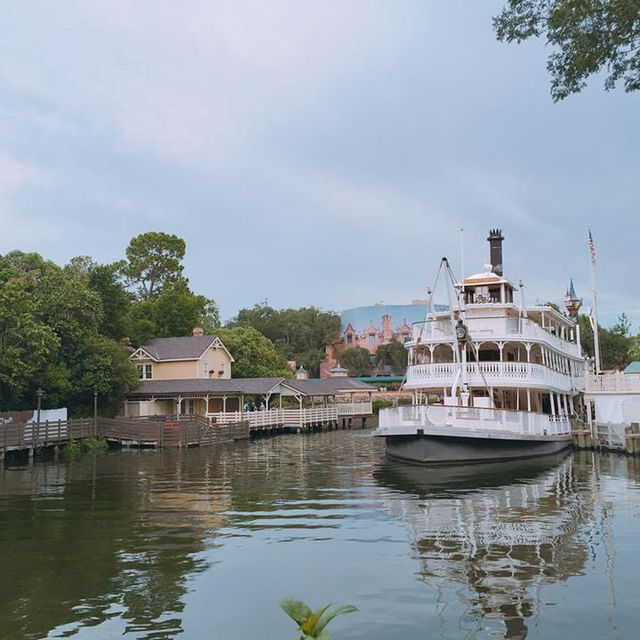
x=592 y=248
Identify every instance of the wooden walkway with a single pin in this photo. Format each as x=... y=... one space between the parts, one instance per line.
x=150 y=432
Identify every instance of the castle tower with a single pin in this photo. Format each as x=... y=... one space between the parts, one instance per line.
x=571 y=301
x=387 y=328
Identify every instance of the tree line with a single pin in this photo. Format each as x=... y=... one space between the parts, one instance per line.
x=70 y=330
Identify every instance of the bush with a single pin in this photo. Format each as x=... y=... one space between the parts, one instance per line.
x=90 y=446
x=380 y=404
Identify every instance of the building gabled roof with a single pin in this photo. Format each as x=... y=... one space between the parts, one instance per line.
x=632 y=367
x=248 y=386
x=258 y=386
x=181 y=348
x=185 y=387
x=328 y=386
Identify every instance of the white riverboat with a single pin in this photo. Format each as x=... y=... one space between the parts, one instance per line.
x=492 y=377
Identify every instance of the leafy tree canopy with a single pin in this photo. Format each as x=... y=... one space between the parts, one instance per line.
x=50 y=320
x=298 y=334
x=356 y=360
x=392 y=357
x=616 y=344
x=586 y=36
x=254 y=354
x=153 y=260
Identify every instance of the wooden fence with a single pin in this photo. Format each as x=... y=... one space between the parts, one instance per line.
x=157 y=431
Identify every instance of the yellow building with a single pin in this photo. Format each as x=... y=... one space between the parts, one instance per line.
x=192 y=375
x=196 y=356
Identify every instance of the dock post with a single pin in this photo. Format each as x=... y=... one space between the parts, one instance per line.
x=364 y=422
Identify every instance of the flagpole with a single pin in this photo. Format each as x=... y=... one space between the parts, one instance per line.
x=594 y=305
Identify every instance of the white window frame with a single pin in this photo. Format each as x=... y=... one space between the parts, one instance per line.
x=145 y=371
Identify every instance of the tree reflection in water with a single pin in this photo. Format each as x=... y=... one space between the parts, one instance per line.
x=84 y=551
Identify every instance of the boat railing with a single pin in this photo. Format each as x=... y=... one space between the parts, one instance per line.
x=521 y=329
x=524 y=374
x=473 y=418
x=613 y=383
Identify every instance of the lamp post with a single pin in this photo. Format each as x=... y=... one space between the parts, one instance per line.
x=39 y=393
x=95 y=413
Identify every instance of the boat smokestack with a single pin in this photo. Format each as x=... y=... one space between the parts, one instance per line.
x=495 y=250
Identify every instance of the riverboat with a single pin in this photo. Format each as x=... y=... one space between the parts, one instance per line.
x=492 y=377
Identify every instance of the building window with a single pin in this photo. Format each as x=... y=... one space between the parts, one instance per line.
x=372 y=338
x=145 y=371
x=191 y=406
x=405 y=337
x=349 y=338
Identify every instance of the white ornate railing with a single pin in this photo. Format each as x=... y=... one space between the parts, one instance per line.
x=498 y=329
x=493 y=374
x=278 y=417
x=476 y=419
x=354 y=408
x=613 y=383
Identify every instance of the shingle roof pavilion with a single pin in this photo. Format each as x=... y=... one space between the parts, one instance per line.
x=250 y=386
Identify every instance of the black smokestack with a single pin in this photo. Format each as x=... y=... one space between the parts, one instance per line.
x=495 y=250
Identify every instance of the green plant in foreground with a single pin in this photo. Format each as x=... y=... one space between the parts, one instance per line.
x=312 y=624
x=91 y=447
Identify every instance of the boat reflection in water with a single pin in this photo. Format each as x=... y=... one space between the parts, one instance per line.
x=499 y=530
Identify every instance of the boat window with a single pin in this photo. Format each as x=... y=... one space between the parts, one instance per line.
x=488 y=355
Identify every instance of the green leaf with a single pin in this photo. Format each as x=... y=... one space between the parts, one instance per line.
x=330 y=615
x=296 y=610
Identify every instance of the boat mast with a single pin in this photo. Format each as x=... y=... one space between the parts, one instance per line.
x=452 y=319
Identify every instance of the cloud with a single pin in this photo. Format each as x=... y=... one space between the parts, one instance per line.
x=342 y=144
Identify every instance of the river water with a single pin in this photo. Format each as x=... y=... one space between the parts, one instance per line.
x=202 y=544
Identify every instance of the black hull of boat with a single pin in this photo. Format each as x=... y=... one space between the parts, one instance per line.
x=438 y=449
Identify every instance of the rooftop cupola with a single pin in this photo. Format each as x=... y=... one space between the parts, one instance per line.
x=495 y=250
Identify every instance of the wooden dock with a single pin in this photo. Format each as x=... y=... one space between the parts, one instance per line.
x=168 y=431
x=156 y=431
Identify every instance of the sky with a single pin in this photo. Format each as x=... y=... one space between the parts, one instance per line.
x=312 y=153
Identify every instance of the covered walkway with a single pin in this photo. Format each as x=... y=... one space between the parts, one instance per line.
x=274 y=402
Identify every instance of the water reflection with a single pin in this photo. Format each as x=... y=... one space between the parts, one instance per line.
x=175 y=544
x=104 y=538
x=500 y=532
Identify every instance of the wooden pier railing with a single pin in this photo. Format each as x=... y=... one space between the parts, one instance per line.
x=157 y=431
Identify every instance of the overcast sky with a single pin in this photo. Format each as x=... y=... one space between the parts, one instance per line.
x=320 y=153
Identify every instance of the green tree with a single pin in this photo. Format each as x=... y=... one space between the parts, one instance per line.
x=176 y=311
x=298 y=334
x=616 y=344
x=586 y=37
x=254 y=354
x=153 y=261
x=26 y=343
x=106 y=368
x=356 y=360
x=50 y=319
x=115 y=300
x=392 y=356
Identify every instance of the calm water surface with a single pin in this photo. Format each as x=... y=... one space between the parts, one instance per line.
x=203 y=543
